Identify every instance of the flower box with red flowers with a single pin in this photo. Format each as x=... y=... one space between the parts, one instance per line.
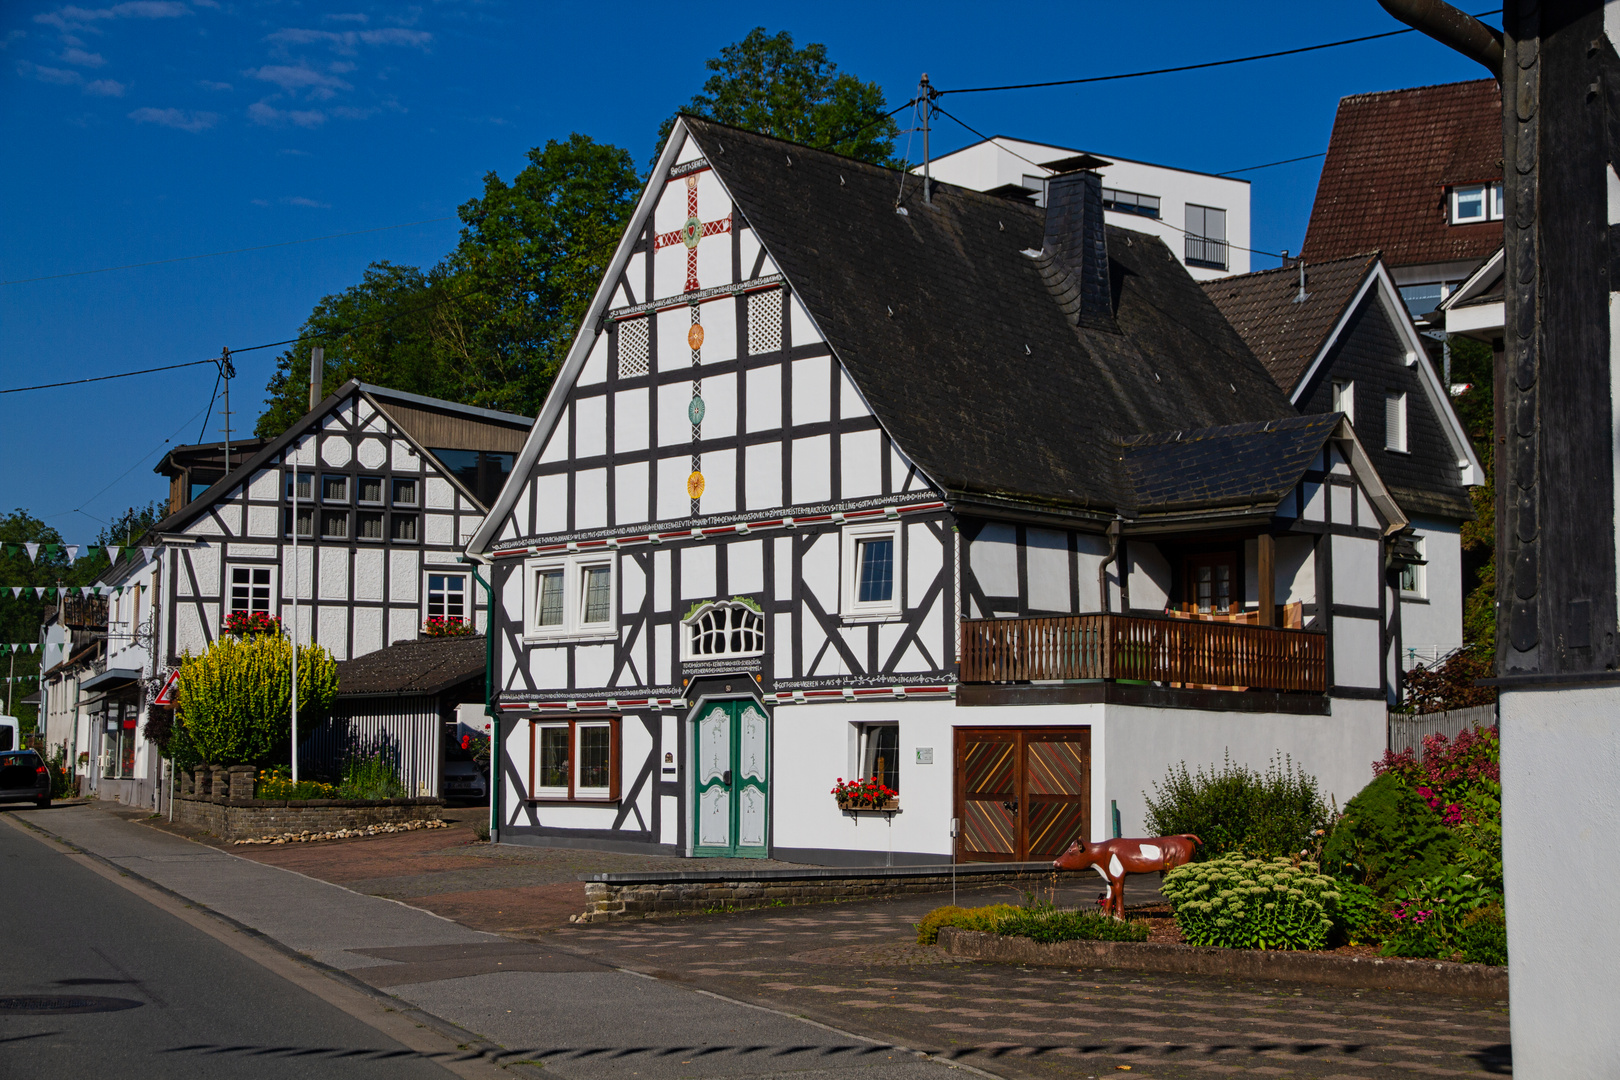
x=869 y=794
x=447 y=626
x=252 y=624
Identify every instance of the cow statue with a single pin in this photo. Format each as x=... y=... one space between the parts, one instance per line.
x=1113 y=859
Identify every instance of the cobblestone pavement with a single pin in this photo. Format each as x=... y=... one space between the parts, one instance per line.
x=855 y=966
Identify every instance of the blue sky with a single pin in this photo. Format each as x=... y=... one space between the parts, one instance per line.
x=155 y=129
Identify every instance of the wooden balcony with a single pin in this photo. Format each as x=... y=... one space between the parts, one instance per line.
x=1175 y=652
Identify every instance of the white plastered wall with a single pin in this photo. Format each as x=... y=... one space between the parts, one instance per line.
x=1431 y=625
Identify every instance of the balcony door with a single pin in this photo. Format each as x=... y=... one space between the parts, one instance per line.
x=1211 y=584
x=1022 y=794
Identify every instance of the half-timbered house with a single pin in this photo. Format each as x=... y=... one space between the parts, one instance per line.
x=388 y=488
x=1337 y=337
x=845 y=477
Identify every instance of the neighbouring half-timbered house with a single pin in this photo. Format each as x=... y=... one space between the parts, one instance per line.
x=389 y=488
x=1337 y=337
x=847 y=478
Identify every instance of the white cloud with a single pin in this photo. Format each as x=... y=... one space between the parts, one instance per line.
x=105 y=88
x=182 y=119
x=354 y=17
x=302 y=77
x=74 y=18
x=344 y=41
x=209 y=85
x=10 y=36
x=58 y=76
x=82 y=58
x=397 y=36
x=261 y=202
x=294 y=153
x=260 y=112
x=299 y=200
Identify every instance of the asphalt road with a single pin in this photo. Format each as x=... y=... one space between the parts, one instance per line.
x=151 y=996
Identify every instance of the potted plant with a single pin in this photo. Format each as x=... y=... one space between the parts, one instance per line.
x=867 y=794
x=447 y=626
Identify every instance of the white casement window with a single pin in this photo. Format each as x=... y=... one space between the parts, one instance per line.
x=447 y=596
x=574 y=596
x=250 y=589
x=722 y=628
x=880 y=754
x=574 y=760
x=871 y=572
x=1344 y=398
x=1473 y=203
x=1395 y=422
x=1412 y=583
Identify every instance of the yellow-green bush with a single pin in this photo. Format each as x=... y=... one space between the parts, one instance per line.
x=235 y=700
x=1240 y=903
x=1046 y=924
x=979 y=918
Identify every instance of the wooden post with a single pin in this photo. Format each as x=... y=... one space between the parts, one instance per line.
x=1267 y=571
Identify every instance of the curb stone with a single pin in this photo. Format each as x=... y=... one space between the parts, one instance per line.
x=1437 y=977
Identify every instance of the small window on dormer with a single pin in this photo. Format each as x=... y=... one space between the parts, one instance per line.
x=764 y=321
x=1474 y=203
x=634 y=352
x=1344 y=398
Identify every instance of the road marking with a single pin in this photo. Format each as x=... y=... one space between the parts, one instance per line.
x=430 y=1036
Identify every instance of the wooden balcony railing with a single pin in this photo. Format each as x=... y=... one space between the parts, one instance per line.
x=1144 y=648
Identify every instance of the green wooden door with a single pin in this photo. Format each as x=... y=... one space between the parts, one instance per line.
x=731 y=780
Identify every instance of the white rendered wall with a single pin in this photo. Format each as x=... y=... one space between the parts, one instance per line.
x=988 y=165
x=1560 y=815
x=1432 y=626
x=1132 y=748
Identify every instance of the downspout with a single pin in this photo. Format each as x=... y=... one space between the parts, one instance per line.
x=1453 y=29
x=497 y=747
x=1114 y=529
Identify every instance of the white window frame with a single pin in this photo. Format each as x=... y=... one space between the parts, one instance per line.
x=574 y=627
x=1484 y=191
x=348 y=489
x=1344 y=399
x=689 y=623
x=581 y=792
x=854 y=610
x=1497 y=198
x=230 y=574
x=393 y=489
x=1419 y=578
x=429 y=574
x=382 y=491
x=1396 y=439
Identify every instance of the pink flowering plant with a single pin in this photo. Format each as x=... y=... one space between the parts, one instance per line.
x=859 y=794
x=1461 y=781
x=447 y=626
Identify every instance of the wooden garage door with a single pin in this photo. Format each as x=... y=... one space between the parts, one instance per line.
x=1021 y=793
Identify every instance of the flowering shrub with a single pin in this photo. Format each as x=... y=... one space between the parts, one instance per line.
x=1238 y=903
x=275 y=783
x=1461 y=781
x=1450 y=685
x=447 y=626
x=861 y=794
x=252 y=624
x=477 y=746
x=1430 y=917
x=1387 y=837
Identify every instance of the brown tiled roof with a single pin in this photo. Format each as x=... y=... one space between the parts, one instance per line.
x=1390 y=159
x=423 y=667
x=1285 y=335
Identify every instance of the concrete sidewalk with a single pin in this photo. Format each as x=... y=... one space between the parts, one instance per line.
x=581 y=1018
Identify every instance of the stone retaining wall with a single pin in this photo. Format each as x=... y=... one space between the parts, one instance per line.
x=636 y=896
x=246 y=819
x=1376 y=973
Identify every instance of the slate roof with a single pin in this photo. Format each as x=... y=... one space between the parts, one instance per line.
x=424 y=667
x=1390 y=158
x=1284 y=335
x=945 y=323
x=1237 y=465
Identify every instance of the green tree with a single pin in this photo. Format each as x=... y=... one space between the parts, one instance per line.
x=491 y=324
x=130 y=527
x=762 y=83
x=1473 y=365
x=234 y=701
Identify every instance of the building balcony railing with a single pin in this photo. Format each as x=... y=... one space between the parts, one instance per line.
x=1186 y=653
x=1210 y=254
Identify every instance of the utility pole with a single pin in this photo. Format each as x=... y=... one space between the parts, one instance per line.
x=925 y=95
x=227 y=372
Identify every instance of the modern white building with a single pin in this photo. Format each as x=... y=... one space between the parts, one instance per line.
x=1202 y=218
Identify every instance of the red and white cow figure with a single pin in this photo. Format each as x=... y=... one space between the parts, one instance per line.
x=1113 y=859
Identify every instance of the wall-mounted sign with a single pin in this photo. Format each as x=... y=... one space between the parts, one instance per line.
x=925 y=755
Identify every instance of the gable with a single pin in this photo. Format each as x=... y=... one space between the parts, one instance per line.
x=704 y=388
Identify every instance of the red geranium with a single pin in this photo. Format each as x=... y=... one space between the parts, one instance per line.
x=862 y=794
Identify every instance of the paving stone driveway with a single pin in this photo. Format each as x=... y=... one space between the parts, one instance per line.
x=855 y=966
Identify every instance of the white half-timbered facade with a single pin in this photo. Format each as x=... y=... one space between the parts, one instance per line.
x=822 y=471
x=386 y=487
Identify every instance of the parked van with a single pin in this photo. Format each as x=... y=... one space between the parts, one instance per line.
x=10 y=733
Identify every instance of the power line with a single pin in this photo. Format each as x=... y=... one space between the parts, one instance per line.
x=104 y=378
x=217 y=254
x=1192 y=67
x=138 y=463
x=1270 y=164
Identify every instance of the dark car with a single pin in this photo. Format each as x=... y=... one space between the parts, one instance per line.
x=24 y=777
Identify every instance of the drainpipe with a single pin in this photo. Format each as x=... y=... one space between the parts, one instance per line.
x=1453 y=29
x=496 y=745
x=1114 y=528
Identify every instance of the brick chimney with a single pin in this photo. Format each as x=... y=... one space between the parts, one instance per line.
x=1075 y=241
